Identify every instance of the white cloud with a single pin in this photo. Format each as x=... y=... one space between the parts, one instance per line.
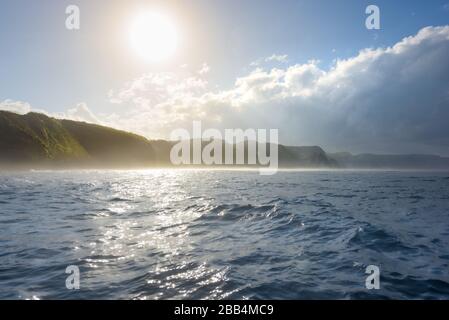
x=255 y=63
x=19 y=107
x=205 y=68
x=283 y=58
x=280 y=58
x=158 y=87
x=156 y=102
x=80 y=113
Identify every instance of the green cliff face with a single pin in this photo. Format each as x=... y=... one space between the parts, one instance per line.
x=40 y=140
x=36 y=137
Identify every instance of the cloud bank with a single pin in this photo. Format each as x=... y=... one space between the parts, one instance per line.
x=393 y=99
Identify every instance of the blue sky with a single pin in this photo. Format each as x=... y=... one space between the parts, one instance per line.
x=52 y=69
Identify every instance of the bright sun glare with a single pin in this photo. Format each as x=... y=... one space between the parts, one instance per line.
x=153 y=36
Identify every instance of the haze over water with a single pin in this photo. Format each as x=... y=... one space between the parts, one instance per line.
x=196 y=234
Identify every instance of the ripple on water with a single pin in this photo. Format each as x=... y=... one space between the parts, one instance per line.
x=224 y=235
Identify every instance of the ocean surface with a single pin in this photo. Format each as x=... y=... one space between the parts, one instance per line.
x=196 y=234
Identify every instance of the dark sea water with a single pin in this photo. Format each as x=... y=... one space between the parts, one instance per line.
x=224 y=234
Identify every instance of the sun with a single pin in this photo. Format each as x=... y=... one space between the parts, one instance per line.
x=153 y=36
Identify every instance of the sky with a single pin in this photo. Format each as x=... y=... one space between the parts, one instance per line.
x=308 y=68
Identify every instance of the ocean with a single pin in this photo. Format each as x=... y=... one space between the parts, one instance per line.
x=199 y=234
